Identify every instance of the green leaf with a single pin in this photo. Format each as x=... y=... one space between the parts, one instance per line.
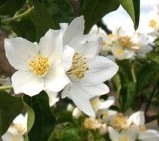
x=19 y=28
x=127 y=96
x=10 y=7
x=61 y=10
x=44 y=118
x=42 y=20
x=10 y=108
x=94 y=10
x=133 y=9
x=146 y=73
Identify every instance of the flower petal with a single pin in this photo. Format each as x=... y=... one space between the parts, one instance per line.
x=87 y=45
x=94 y=90
x=76 y=28
x=67 y=57
x=19 y=51
x=137 y=118
x=113 y=134
x=56 y=78
x=51 y=45
x=149 y=135
x=10 y=137
x=79 y=97
x=100 y=70
x=26 y=82
x=52 y=98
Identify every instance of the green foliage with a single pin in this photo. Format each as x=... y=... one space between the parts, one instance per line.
x=44 y=118
x=94 y=10
x=10 y=107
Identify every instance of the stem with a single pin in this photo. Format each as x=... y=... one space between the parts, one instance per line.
x=133 y=73
x=149 y=100
x=6 y=87
x=6 y=21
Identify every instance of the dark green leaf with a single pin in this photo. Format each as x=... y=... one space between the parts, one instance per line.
x=133 y=9
x=10 y=107
x=25 y=28
x=127 y=96
x=42 y=20
x=147 y=72
x=9 y=7
x=94 y=10
x=61 y=10
x=44 y=118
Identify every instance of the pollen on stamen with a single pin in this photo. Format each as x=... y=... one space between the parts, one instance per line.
x=39 y=65
x=79 y=66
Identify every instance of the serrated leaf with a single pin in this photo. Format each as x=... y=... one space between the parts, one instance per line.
x=42 y=20
x=94 y=10
x=10 y=108
x=44 y=118
x=133 y=9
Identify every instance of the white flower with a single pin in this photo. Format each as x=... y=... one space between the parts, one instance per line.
x=88 y=70
x=138 y=119
x=17 y=129
x=129 y=134
x=52 y=98
x=40 y=67
x=101 y=108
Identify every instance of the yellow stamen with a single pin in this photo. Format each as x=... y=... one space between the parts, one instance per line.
x=153 y=23
x=126 y=42
x=79 y=66
x=120 y=122
x=39 y=65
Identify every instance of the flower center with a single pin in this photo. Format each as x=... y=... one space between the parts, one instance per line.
x=39 y=65
x=120 y=122
x=79 y=66
x=153 y=23
x=142 y=128
x=126 y=41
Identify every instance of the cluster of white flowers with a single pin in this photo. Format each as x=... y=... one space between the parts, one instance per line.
x=64 y=59
x=118 y=126
x=123 y=45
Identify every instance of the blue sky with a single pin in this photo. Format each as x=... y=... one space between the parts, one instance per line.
x=120 y=17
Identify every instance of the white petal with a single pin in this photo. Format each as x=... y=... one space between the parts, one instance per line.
x=67 y=57
x=76 y=28
x=10 y=137
x=137 y=118
x=51 y=45
x=94 y=90
x=26 y=82
x=100 y=70
x=19 y=51
x=63 y=26
x=107 y=103
x=87 y=45
x=113 y=134
x=56 y=79
x=79 y=97
x=149 y=135
x=131 y=133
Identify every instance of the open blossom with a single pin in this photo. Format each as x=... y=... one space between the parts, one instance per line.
x=138 y=121
x=17 y=129
x=39 y=66
x=88 y=70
